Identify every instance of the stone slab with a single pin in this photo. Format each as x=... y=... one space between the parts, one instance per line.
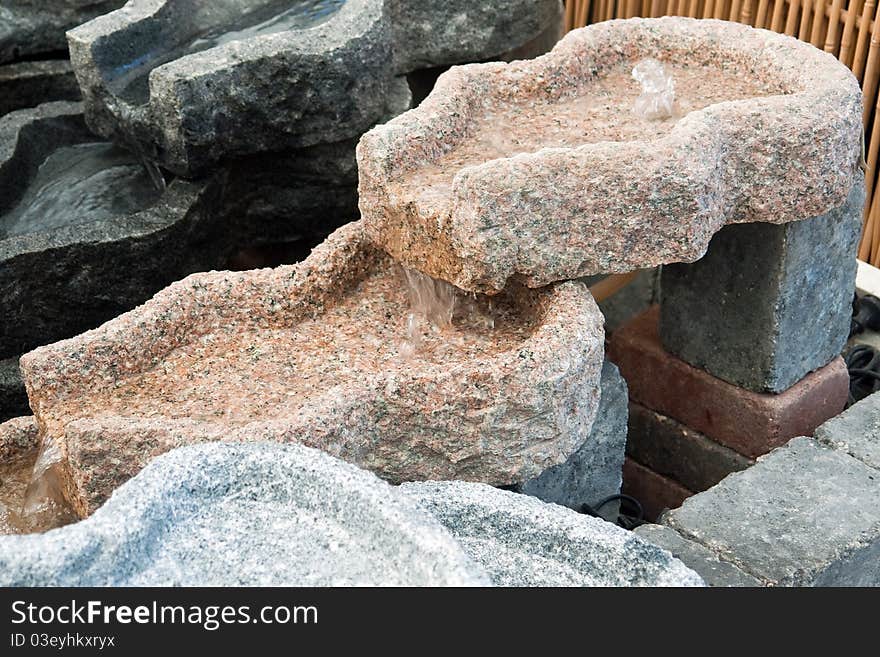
x=671 y=449
x=803 y=515
x=28 y=84
x=521 y=541
x=594 y=471
x=245 y=515
x=654 y=492
x=707 y=565
x=856 y=431
x=536 y=171
x=760 y=310
x=748 y=422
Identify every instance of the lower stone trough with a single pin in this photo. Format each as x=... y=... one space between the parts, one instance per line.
x=320 y=353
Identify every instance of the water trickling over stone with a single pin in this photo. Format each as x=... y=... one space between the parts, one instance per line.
x=81 y=184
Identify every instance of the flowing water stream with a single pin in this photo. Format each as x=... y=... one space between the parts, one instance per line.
x=81 y=184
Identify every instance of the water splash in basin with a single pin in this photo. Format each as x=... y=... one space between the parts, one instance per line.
x=31 y=499
x=657 y=100
x=133 y=83
x=81 y=184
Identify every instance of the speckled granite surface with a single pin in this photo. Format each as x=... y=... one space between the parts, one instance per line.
x=310 y=353
x=540 y=171
x=245 y=515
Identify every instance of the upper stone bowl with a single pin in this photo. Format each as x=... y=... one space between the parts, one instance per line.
x=191 y=82
x=541 y=171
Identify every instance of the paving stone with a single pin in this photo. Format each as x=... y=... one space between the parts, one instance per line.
x=654 y=492
x=750 y=423
x=594 y=471
x=760 y=309
x=856 y=431
x=804 y=514
x=521 y=541
x=671 y=449
x=713 y=570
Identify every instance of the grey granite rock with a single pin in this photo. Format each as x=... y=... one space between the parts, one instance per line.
x=244 y=515
x=28 y=84
x=707 y=565
x=13 y=397
x=522 y=541
x=428 y=34
x=594 y=472
x=35 y=27
x=189 y=83
x=674 y=450
x=760 y=309
x=802 y=515
x=59 y=279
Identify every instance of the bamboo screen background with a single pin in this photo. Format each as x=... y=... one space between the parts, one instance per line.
x=848 y=29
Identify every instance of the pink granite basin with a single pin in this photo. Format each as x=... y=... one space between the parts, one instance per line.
x=311 y=353
x=540 y=170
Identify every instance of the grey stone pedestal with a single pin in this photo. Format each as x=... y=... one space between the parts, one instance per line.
x=768 y=303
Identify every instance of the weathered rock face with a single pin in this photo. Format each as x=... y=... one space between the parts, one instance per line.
x=313 y=353
x=245 y=515
x=189 y=83
x=521 y=541
x=539 y=171
x=34 y=27
x=84 y=234
x=28 y=84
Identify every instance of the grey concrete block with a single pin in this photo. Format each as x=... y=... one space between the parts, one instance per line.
x=698 y=558
x=245 y=515
x=804 y=514
x=594 y=472
x=856 y=431
x=28 y=84
x=767 y=304
x=13 y=396
x=521 y=541
x=674 y=450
